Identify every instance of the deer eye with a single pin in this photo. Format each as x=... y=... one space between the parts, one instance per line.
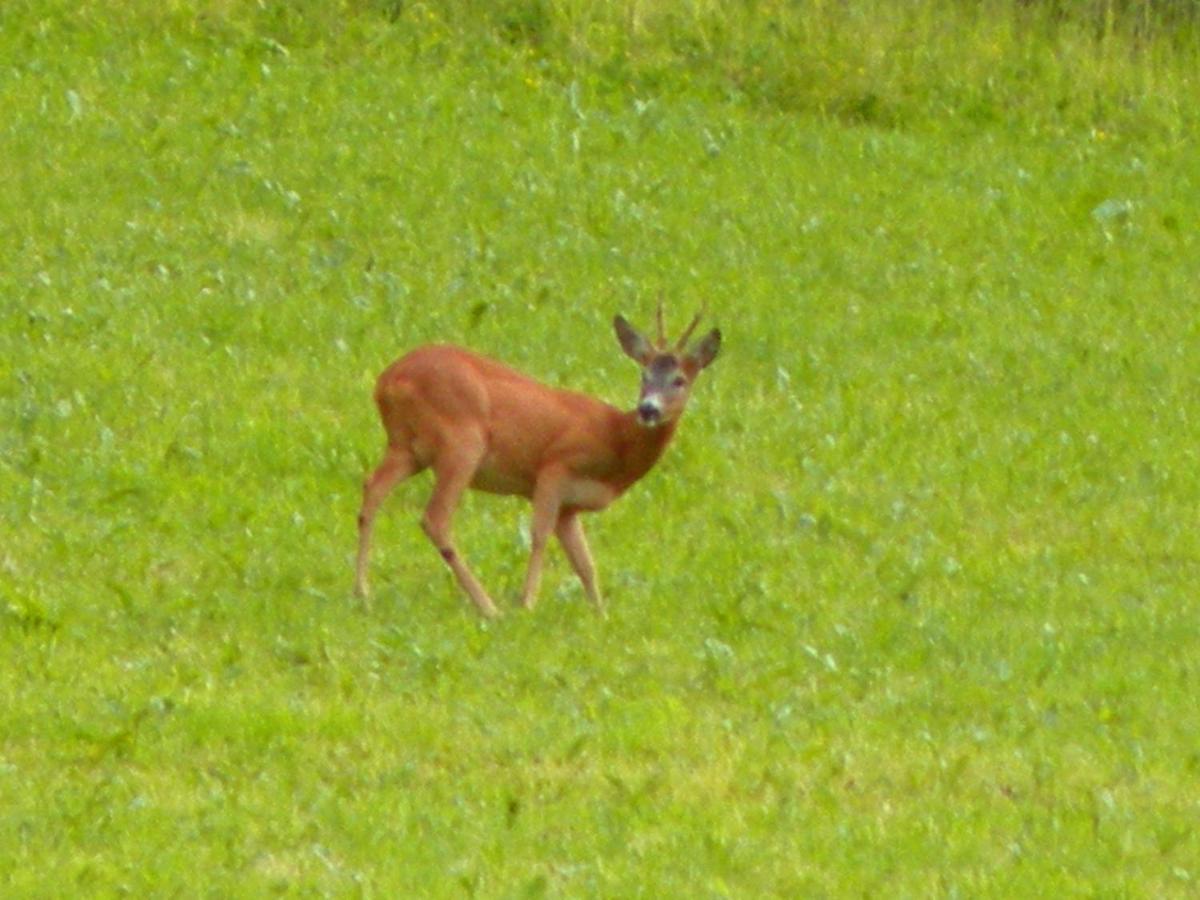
x=678 y=381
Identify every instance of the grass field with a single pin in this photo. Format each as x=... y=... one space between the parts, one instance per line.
x=908 y=609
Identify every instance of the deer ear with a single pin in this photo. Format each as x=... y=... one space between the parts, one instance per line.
x=705 y=350
x=636 y=346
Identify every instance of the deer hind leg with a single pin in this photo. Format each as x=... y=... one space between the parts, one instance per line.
x=398 y=464
x=453 y=471
x=574 y=543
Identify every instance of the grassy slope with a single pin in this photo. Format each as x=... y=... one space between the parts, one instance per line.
x=908 y=607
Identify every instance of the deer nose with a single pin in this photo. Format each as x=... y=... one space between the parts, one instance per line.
x=649 y=412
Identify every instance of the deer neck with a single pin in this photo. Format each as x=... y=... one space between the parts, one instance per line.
x=640 y=447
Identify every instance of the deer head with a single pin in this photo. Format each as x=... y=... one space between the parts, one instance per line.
x=668 y=372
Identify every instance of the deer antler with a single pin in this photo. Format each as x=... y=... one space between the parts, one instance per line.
x=687 y=333
x=662 y=335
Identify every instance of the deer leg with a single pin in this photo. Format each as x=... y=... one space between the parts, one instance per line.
x=397 y=465
x=453 y=473
x=574 y=544
x=547 y=500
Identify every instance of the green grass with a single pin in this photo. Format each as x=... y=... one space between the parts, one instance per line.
x=909 y=607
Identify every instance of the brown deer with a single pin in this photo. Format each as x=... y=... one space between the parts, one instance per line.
x=479 y=424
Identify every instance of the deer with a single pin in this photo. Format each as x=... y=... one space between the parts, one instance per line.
x=478 y=424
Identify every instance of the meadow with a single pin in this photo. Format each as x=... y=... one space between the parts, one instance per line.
x=908 y=609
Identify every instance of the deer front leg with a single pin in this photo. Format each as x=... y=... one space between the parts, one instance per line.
x=574 y=544
x=547 y=499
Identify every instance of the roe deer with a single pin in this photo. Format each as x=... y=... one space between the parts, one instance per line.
x=479 y=424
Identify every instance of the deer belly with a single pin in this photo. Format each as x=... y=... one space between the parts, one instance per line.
x=584 y=493
x=493 y=480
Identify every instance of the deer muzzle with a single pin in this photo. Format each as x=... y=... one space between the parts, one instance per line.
x=649 y=411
